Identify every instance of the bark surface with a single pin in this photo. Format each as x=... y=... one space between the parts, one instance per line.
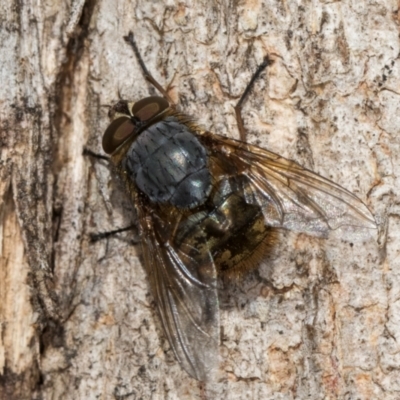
x=319 y=319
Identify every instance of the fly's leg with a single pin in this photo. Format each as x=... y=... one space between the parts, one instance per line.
x=90 y=153
x=238 y=108
x=95 y=237
x=131 y=41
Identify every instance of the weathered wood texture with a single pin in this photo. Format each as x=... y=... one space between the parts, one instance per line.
x=320 y=319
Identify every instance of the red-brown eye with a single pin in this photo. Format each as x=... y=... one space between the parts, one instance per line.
x=116 y=133
x=149 y=107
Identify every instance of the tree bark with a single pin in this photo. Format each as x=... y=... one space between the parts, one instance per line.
x=319 y=319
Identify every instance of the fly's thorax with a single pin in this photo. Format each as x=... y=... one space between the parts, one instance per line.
x=169 y=164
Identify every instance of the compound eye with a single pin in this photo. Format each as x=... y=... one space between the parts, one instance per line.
x=149 y=107
x=117 y=132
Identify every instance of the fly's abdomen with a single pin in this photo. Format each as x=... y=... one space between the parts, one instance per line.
x=169 y=164
x=232 y=229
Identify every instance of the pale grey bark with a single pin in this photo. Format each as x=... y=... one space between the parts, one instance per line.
x=320 y=319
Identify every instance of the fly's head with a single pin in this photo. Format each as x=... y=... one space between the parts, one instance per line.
x=128 y=119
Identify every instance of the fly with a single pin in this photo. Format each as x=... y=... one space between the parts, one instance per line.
x=209 y=205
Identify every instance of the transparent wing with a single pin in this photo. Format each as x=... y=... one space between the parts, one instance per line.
x=183 y=283
x=289 y=195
